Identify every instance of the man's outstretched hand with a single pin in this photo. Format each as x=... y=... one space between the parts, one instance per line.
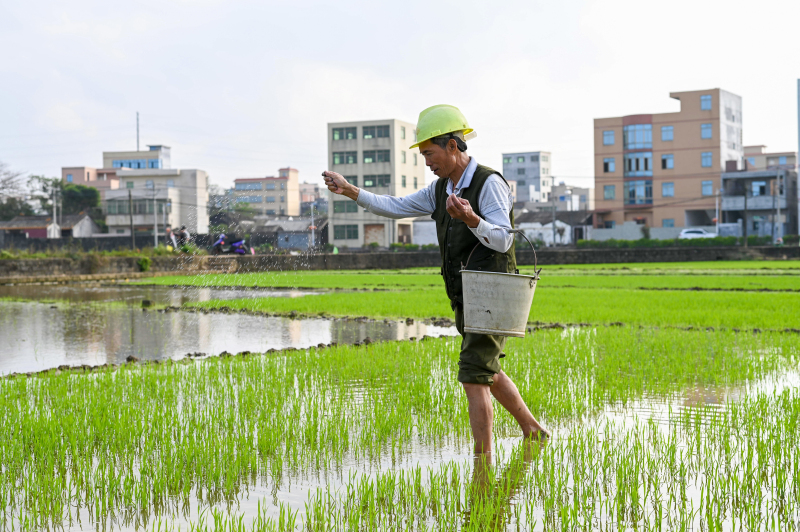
x=337 y=184
x=460 y=209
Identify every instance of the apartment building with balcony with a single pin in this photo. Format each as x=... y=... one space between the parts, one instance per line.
x=532 y=172
x=762 y=200
x=372 y=155
x=103 y=179
x=664 y=170
x=270 y=195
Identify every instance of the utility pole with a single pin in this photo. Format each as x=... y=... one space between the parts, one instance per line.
x=313 y=240
x=719 y=192
x=155 y=219
x=137 y=130
x=553 y=199
x=779 y=233
x=55 y=219
x=744 y=230
x=130 y=212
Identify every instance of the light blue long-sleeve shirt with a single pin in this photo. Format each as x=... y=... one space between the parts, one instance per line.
x=494 y=201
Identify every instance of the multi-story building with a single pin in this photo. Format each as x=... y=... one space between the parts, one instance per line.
x=158 y=197
x=372 y=155
x=758 y=159
x=532 y=172
x=270 y=195
x=102 y=179
x=568 y=198
x=663 y=170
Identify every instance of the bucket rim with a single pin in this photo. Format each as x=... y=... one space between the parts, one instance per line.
x=535 y=278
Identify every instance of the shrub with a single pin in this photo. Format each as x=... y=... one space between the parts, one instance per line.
x=5 y=254
x=144 y=263
x=430 y=247
x=789 y=240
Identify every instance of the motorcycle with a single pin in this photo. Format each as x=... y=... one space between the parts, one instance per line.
x=235 y=246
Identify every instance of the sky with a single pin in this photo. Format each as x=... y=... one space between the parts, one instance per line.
x=240 y=88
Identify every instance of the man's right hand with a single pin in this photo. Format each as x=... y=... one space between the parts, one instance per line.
x=337 y=184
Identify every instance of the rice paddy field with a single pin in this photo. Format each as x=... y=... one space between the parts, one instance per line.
x=671 y=392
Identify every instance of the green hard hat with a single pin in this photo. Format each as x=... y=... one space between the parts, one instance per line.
x=441 y=120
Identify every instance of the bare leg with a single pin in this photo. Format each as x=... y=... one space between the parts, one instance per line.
x=481 y=415
x=506 y=393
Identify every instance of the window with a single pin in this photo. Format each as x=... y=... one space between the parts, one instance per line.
x=705 y=159
x=250 y=199
x=609 y=224
x=608 y=138
x=269 y=211
x=352 y=179
x=129 y=184
x=415 y=159
x=705 y=102
x=345 y=157
x=283 y=198
x=69 y=178
x=403 y=156
x=248 y=186
x=170 y=183
x=521 y=159
x=283 y=186
x=415 y=183
x=506 y=160
x=344 y=133
x=521 y=183
x=757 y=222
x=751 y=161
x=545 y=171
x=782 y=159
x=345 y=232
x=759 y=188
x=403 y=181
x=345 y=206
x=376 y=156
x=637 y=136
x=382 y=180
x=153 y=163
x=667 y=161
x=707 y=188
x=667 y=133
x=668 y=222
x=582 y=198
x=667 y=190
x=403 y=132
x=608 y=165
x=148 y=183
x=638 y=164
x=270 y=199
x=534 y=158
x=609 y=192
x=705 y=131
x=376 y=132
x=120 y=231
x=638 y=192
x=269 y=186
x=520 y=171
x=130 y=163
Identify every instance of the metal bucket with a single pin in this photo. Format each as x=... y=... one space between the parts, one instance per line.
x=498 y=303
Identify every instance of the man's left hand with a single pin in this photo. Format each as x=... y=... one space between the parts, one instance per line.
x=460 y=209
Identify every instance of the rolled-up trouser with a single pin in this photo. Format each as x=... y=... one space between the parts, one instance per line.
x=480 y=353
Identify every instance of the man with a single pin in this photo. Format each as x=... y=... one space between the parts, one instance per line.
x=183 y=237
x=471 y=204
x=169 y=238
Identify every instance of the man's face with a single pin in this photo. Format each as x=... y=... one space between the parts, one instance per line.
x=441 y=161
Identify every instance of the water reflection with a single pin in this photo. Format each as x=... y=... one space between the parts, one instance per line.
x=38 y=335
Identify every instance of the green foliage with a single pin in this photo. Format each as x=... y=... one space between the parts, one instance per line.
x=373 y=245
x=430 y=247
x=791 y=240
x=144 y=263
x=11 y=207
x=79 y=198
x=396 y=246
x=687 y=242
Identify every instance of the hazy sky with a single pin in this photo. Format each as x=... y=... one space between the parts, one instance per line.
x=241 y=88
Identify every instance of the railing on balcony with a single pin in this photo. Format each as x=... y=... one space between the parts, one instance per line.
x=754 y=203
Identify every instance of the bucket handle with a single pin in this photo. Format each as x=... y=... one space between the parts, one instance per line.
x=513 y=231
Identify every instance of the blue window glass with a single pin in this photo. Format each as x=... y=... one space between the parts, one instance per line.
x=154 y=163
x=609 y=192
x=705 y=102
x=667 y=190
x=608 y=138
x=69 y=178
x=248 y=186
x=638 y=164
x=667 y=133
x=638 y=192
x=668 y=222
x=608 y=165
x=667 y=161
x=149 y=183
x=249 y=199
x=782 y=159
x=751 y=161
x=609 y=224
x=637 y=136
x=705 y=131
x=706 y=159
x=707 y=188
x=170 y=183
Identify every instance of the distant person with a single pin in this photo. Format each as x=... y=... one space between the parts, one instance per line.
x=470 y=204
x=169 y=238
x=183 y=237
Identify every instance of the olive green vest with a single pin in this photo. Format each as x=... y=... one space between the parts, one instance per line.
x=456 y=241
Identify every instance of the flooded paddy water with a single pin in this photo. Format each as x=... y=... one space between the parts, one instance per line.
x=653 y=429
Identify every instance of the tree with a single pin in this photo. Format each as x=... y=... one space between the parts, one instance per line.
x=11 y=207
x=42 y=189
x=11 y=185
x=79 y=198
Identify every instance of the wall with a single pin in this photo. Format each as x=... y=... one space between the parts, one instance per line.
x=633 y=231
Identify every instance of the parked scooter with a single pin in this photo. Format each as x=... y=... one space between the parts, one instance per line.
x=232 y=245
